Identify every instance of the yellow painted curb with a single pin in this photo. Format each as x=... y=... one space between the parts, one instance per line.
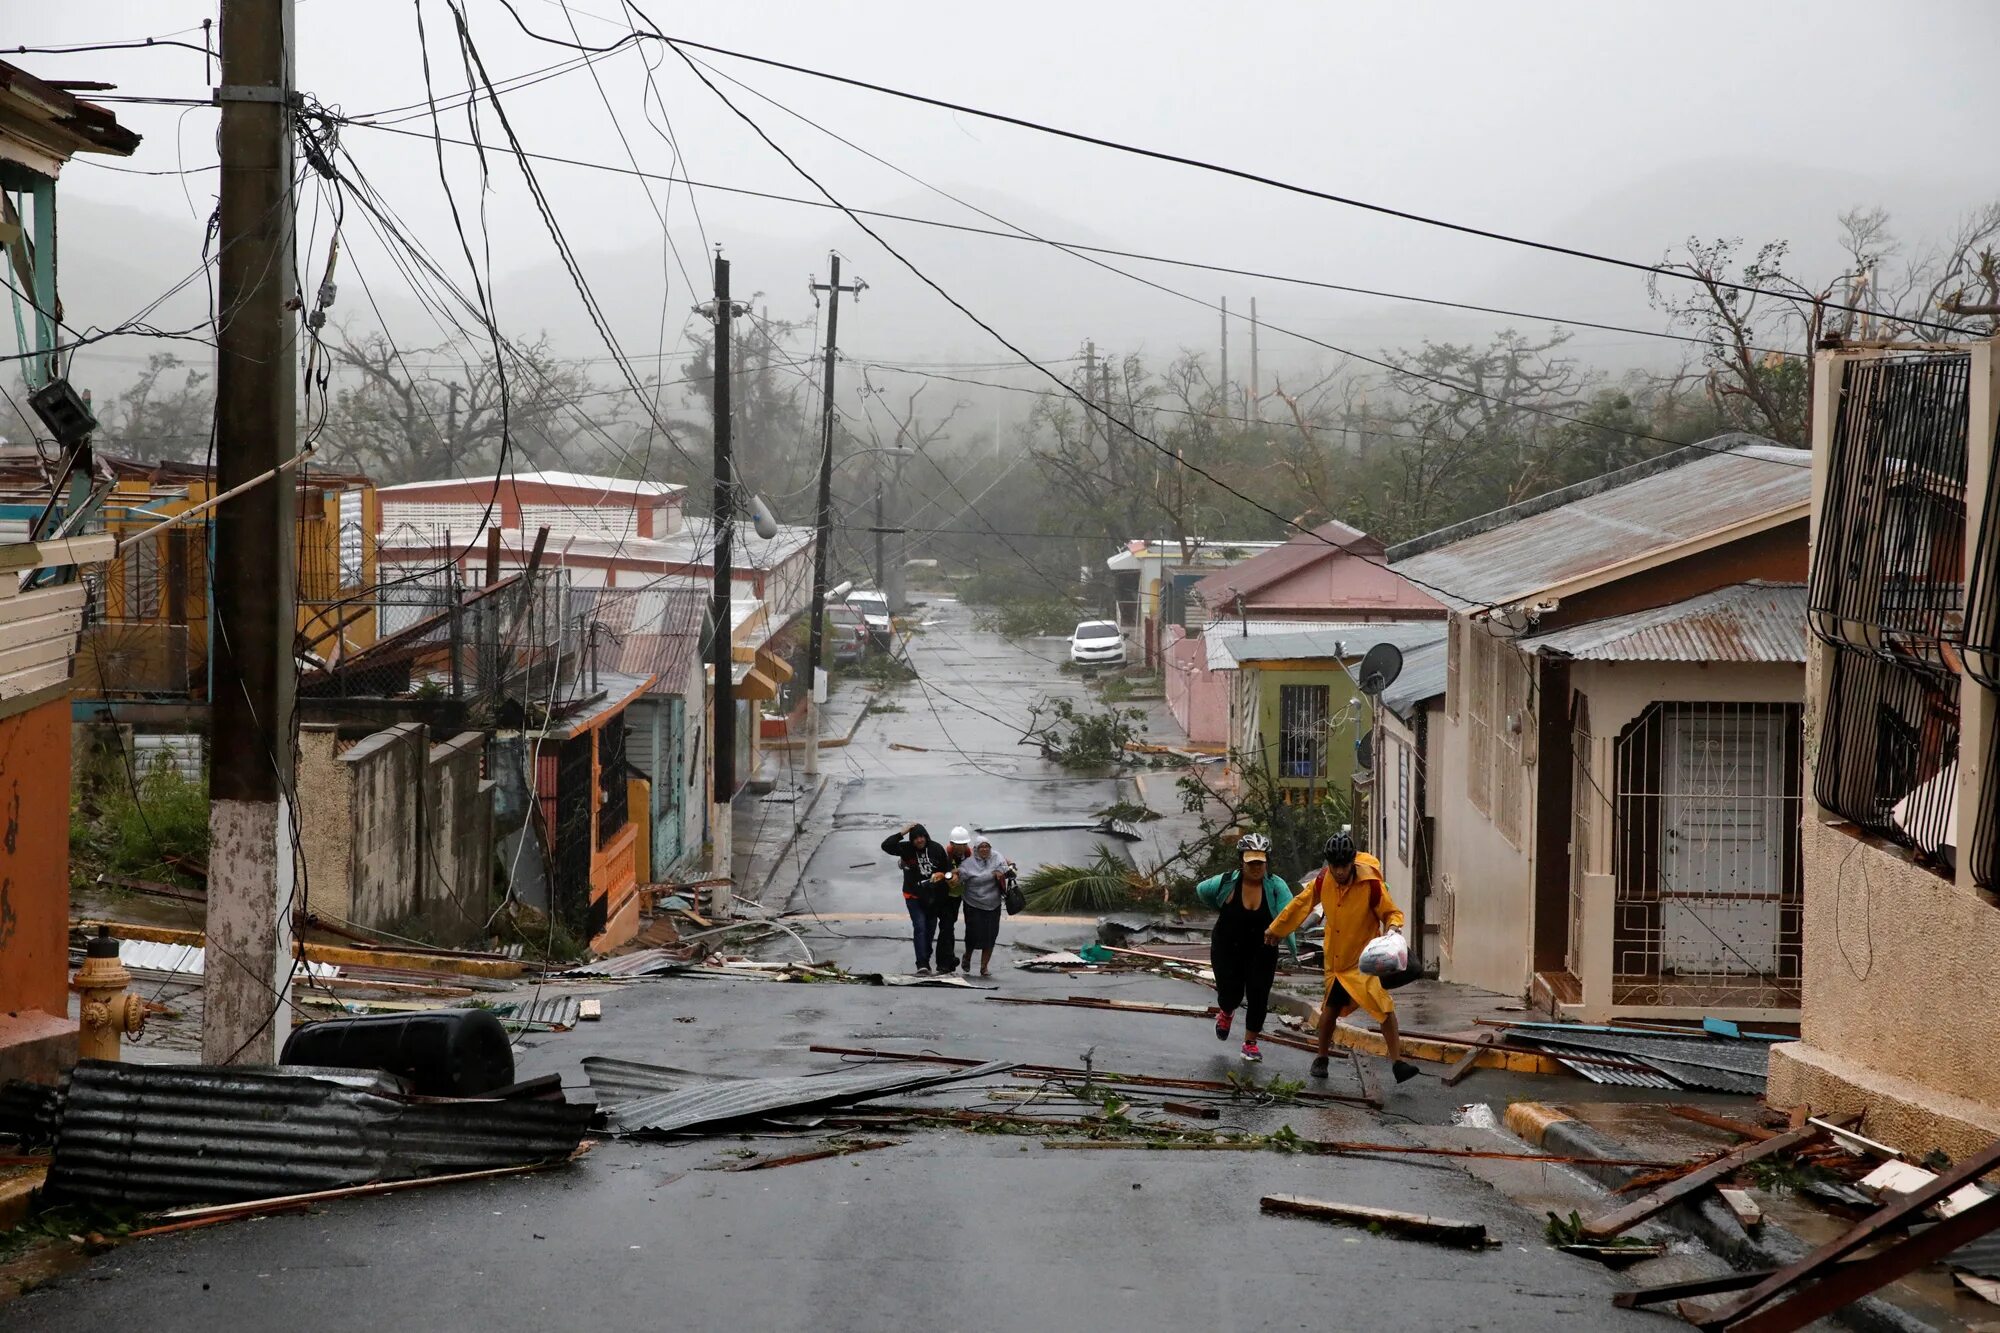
x=1369 y=1042
x=17 y=1192
x=1531 y=1120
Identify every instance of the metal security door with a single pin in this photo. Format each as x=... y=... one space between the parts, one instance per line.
x=670 y=784
x=1722 y=848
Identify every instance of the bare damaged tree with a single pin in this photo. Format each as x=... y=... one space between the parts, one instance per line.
x=437 y=412
x=1757 y=324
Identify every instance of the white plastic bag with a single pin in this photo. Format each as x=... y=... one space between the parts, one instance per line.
x=1385 y=955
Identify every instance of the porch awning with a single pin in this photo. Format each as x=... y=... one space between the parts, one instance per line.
x=755 y=685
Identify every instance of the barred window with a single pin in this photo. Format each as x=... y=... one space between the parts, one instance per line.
x=1302 y=718
x=1479 y=719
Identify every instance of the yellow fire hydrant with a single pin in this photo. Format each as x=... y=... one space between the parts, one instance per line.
x=107 y=1014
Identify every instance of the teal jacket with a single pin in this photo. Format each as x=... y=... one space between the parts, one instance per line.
x=1215 y=890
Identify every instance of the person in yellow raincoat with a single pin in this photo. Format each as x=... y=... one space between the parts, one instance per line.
x=1350 y=892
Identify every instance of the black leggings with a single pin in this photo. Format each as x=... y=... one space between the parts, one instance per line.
x=1243 y=974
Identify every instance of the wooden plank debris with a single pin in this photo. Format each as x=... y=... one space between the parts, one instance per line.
x=792 y=1159
x=1623 y=1219
x=1666 y=1293
x=1747 y=1210
x=1740 y=1128
x=1192 y=1110
x=1469 y=1061
x=1851 y=1282
x=1417 y=1226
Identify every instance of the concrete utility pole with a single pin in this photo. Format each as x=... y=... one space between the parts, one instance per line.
x=245 y=1016
x=723 y=747
x=823 y=536
x=1089 y=392
x=899 y=563
x=881 y=529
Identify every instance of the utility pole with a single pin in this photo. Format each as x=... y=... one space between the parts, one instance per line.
x=246 y=1014
x=823 y=538
x=1256 y=403
x=1225 y=354
x=899 y=564
x=881 y=579
x=1089 y=391
x=723 y=747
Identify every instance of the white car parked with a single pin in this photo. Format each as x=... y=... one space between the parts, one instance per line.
x=1097 y=643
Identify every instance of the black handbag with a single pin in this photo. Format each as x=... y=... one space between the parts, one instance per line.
x=1015 y=901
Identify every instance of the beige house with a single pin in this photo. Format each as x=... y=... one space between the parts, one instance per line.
x=1901 y=1015
x=1611 y=778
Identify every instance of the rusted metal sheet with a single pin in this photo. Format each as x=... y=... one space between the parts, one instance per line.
x=1695 y=1062
x=155 y=1135
x=1746 y=622
x=722 y=1102
x=1514 y=553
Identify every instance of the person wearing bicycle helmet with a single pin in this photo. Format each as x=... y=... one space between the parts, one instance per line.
x=1242 y=949
x=1350 y=892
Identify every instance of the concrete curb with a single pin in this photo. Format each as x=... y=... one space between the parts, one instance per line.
x=1369 y=1041
x=1706 y=1219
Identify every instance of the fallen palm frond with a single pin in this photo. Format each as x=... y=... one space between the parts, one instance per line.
x=1106 y=883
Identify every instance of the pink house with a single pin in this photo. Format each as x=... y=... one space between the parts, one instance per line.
x=1334 y=574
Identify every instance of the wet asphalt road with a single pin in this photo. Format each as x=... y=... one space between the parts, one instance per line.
x=943 y=1230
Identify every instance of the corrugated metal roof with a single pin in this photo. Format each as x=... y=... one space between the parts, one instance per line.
x=1745 y=622
x=615 y=1081
x=1980 y=1257
x=560 y=1012
x=719 y=1103
x=1220 y=630
x=1422 y=678
x=1513 y=553
x=155 y=1135
x=1267 y=567
x=1349 y=640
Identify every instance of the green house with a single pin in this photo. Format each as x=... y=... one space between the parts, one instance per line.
x=1296 y=708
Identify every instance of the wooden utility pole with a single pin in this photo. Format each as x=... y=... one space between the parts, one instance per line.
x=245 y=1013
x=1225 y=354
x=823 y=523
x=723 y=747
x=1089 y=392
x=1255 y=404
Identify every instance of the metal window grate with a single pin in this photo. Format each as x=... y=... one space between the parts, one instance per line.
x=1888 y=748
x=1888 y=571
x=1709 y=901
x=1982 y=597
x=1985 y=861
x=1302 y=721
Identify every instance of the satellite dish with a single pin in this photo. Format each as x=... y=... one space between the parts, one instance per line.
x=1380 y=668
x=1364 y=750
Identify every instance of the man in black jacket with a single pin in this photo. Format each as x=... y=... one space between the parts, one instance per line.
x=926 y=886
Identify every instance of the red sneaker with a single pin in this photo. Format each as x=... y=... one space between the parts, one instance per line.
x=1222 y=1022
x=1250 y=1051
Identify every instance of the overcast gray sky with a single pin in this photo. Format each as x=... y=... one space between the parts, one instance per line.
x=1620 y=127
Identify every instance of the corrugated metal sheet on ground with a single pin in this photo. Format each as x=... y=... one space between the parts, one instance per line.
x=645 y=963
x=1981 y=1257
x=155 y=1135
x=719 y=1103
x=628 y=1080
x=561 y=1012
x=1626 y=1078
x=1691 y=1062
x=1746 y=622
x=191 y=960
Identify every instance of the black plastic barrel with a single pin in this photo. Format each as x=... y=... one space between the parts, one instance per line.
x=443 y=1053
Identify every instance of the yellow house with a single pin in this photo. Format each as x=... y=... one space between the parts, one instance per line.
x=147 y=628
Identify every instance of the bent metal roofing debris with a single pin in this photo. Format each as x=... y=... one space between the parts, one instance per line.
x=157 y=1135
x=1706 y=1063
x=719 y=1102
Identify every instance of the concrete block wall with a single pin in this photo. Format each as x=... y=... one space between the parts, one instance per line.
x=386 y=776
x=458 y=805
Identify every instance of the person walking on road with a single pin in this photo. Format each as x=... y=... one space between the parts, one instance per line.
x=946 y=901
x=982 y=882
x=1243 y=948
x=926 y=876
x=1350 y=891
